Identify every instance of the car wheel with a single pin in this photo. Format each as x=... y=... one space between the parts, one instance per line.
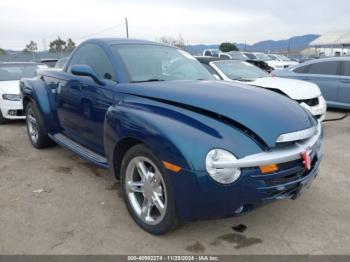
x=36 y=133
x=2 y=119
x=147 y=192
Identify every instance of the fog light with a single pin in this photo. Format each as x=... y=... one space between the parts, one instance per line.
x=12 y=112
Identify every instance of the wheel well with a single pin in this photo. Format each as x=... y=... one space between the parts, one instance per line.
x=26 y=100
x=119 y=152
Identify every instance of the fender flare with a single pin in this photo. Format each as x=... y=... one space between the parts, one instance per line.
x=35 y=91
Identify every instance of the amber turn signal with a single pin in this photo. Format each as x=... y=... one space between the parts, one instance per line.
x=268 y=168
x=171 y=167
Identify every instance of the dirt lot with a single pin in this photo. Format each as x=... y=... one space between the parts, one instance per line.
x=52 y=202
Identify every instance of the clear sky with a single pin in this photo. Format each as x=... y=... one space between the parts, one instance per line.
x=202 y=21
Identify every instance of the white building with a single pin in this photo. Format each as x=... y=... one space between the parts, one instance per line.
x=334 y=43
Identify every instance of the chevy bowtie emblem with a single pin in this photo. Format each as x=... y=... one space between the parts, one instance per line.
x=306 y=160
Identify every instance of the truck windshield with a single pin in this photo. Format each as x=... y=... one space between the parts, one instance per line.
x=10 y=72
x=146 y=63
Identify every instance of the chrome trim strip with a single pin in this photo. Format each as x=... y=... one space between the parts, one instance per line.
x=298 y=135
x=276 y=156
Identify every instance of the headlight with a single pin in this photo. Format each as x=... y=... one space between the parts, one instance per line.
x=11 y=97
x=221 y=175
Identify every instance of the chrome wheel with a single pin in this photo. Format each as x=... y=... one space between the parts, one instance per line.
x=32 y=124
x=146 y=191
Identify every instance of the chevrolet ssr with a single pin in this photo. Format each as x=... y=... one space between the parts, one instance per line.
x=184 y=146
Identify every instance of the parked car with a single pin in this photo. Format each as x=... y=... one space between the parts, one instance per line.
x=276 y=65
x=61 y=62
x=184 y=146
x=10 y=100
x=211 y=52
x=332 y=75
x=283 y=58
x=236 y=55
x=307 y=94
x=50 y=62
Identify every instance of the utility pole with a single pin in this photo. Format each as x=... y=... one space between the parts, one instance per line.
x=127 y=27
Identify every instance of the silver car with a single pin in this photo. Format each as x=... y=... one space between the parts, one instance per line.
x=332 y=75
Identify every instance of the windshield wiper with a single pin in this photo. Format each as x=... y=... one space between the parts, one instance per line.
x=242 y=79
x=148 y=80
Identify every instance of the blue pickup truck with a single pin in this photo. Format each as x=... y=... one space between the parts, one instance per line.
x=184 y=146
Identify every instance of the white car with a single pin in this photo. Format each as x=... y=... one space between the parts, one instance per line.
x=10 y=101
x=307 y=94
x=211 y=52
x=283 y=58
x=276 y=65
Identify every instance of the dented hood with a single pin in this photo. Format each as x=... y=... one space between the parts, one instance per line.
x=265 y=113
x=295 y=89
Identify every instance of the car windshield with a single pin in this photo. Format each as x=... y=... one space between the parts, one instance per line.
x=263 y=57
x=283 y=58
x=237 y=56
x=160 y=63
x=250 y=55
x=273 y=57
x=239 y=70
x=10 y=72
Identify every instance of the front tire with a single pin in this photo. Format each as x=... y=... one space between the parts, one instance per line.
x=147 y=192
x=36 y=133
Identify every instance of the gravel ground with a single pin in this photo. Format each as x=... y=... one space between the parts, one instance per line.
x=52 y=202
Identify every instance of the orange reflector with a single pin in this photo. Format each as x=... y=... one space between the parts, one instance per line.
x=269 y=168
x=171 y=167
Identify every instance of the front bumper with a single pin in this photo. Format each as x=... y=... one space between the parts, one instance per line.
x=12 y=109
x=206 y=199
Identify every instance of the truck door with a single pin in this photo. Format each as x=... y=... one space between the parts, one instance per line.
x=83 y=102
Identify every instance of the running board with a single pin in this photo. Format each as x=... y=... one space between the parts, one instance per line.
x=80 y=150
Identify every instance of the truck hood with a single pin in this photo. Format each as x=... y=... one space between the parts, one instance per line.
x=265 y=113
x=295 y=89
x=10 y=87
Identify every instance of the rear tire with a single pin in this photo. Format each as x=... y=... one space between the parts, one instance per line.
x=36 y=133
x=147 y=191
x=2 y=119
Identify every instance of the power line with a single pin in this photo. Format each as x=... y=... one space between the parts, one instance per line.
x=102 y=31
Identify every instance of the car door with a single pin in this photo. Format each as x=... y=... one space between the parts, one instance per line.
x=344 y=84
x=325 y=74
x=82 y=119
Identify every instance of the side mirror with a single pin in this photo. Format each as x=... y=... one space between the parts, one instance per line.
x=85 y=70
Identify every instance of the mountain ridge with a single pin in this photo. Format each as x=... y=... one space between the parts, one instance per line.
x=293 y=43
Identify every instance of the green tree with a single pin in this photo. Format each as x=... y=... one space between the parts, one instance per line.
x=2 y=51
x=31 y=47
x=57 y=45
x=228 y=47
x=70 y=45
